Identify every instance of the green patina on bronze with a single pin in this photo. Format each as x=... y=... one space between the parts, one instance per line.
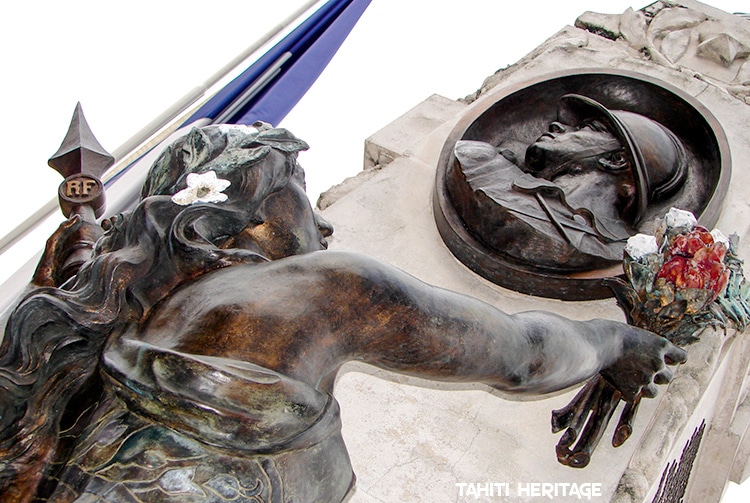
x=192 y=358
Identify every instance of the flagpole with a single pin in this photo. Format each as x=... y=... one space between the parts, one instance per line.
x=163 y=125
x=134 y=148
x=265 y=90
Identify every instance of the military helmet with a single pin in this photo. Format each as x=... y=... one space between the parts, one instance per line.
x=657 y=157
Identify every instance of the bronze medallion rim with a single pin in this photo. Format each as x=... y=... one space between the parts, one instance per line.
x=526 y=279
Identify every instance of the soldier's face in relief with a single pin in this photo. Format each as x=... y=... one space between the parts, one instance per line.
x=588 y=162
x=566 y=149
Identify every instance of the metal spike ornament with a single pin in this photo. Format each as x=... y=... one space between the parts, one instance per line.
x=81 y=160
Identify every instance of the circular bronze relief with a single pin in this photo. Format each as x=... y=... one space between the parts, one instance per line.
x=539 y=191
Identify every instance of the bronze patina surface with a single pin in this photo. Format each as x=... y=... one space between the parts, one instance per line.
x=539 y=191
x=192 y=358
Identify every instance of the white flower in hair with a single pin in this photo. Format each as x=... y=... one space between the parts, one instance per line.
x=202 y=188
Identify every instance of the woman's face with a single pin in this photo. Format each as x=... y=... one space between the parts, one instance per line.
x=289 y=226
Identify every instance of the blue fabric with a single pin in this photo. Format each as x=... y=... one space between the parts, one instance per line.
x=312 y=45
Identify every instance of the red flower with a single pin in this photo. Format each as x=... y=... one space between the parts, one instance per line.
x=686 y=245
x=694 y=260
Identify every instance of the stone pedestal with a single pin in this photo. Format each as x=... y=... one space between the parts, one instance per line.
x=412 y=440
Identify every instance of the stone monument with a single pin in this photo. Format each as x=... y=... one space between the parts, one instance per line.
x=192 y=355
x=687 y=442
x=191 y=349
x=546 y=185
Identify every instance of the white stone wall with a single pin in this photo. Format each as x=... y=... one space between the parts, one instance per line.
x=412 y=440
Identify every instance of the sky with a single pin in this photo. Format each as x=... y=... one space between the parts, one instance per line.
x=127 y=62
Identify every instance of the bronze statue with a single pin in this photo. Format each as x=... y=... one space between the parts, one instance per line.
x=192 y=358
x=580 y=192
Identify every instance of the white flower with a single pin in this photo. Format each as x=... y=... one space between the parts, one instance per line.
x=676 y=218
x=719 y=237
x=641 y=245
x=202 y=188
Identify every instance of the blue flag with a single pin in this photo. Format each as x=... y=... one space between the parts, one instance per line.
x=272 y=85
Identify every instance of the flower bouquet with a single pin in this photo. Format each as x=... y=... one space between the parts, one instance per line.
x=682 y=280
x=678 y=282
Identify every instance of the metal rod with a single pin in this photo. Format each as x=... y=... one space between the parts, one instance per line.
x=256 y=87
x=161 y=127
x=212 y=81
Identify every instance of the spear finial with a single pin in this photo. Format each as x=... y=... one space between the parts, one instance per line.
x=81 y=160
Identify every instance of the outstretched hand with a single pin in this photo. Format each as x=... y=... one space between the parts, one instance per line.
x=641 y=366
